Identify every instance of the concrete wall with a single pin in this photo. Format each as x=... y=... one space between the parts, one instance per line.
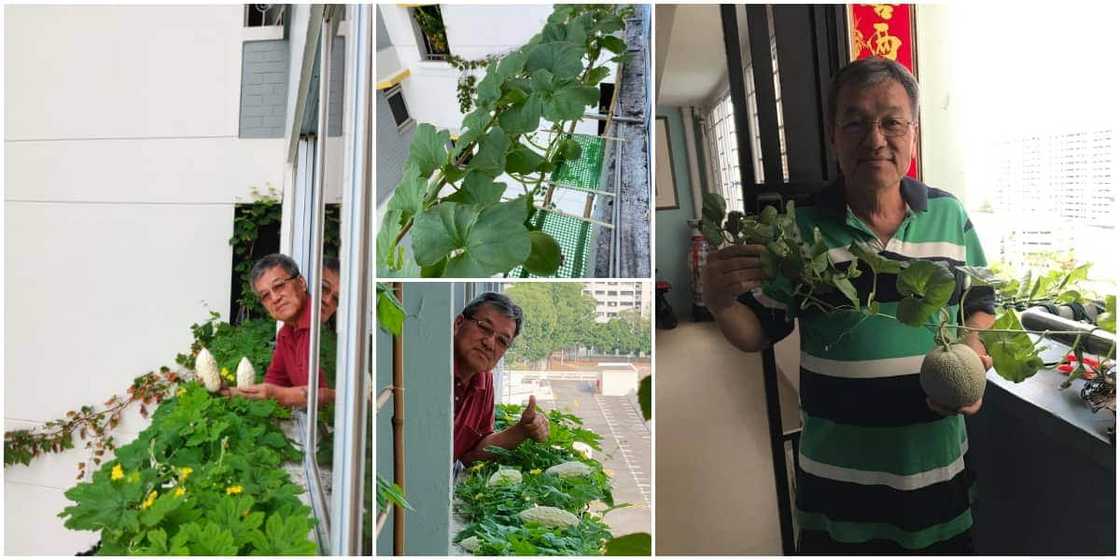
x=264 y=88
x=673 y=231
x=123 y=167
x=428 y=417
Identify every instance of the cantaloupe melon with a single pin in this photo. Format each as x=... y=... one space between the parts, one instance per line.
x=953 y=378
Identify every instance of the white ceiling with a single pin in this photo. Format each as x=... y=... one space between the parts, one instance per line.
x=690 y=57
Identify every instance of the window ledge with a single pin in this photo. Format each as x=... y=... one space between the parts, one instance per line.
x=264 y=33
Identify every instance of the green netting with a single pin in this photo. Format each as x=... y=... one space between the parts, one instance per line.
x=582 y=173
x=573 y=235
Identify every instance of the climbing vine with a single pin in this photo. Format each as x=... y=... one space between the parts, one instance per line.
x=249 y=221
x=448 y=200
x=803 y=273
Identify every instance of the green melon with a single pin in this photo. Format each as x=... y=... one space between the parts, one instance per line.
x=953 y=378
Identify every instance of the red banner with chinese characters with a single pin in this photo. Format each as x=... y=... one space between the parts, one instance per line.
x=885 y=30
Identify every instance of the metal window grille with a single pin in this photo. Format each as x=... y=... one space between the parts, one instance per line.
x=265 y=15
x=397 y=106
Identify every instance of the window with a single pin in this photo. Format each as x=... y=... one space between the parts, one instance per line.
x=265 y=15
x=723 y=149
x=430 y=32
x=1039 y=179
x=395 y=97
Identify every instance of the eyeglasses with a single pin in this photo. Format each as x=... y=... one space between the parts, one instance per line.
x=329 y=292
x=488 y=332
x=268 y=294
x=892 y=127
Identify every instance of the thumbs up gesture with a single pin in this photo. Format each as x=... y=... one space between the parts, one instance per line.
x=535 y=424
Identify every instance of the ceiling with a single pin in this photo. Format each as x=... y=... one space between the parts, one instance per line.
x=691 y=63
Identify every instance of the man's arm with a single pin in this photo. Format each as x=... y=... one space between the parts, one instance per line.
x=532 y=425
x=729 y=272
x=292 y=397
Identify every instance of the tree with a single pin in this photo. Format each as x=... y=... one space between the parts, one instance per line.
x=556 y=316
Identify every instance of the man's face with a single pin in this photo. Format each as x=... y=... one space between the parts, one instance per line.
x=283 y=297
x=482 y=340
x=870 y=159
x=330 y=294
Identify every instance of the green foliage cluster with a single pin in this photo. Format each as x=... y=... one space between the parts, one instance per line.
x=560 y=316
x=254 y=339
x=264 y=212
x=472 y=232
x=467 y=87
x=390 y=310
x=491 y=510
x=205 y=478
x=801 y=272
x=93 y=426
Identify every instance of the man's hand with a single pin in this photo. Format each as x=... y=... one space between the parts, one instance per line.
x=535 y=424
x=978 y=320
x=286 y=396
x=730 y=272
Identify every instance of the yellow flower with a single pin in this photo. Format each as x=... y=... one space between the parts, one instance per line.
x=118 y=472
x=151 y=499
x=477 y=466
x=535 y=471
x=180 y=491
x=235 y=489
x=184 y=473
x=181 y=391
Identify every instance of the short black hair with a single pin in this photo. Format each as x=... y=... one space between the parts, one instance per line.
x=501 y=303
x=868 y=72
x=331 y=263
x=269 y=262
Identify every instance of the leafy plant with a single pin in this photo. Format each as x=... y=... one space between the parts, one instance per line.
x=802 y=272
x=93 y=426
x=472 y=231
x=493 y=511
x=205 y=478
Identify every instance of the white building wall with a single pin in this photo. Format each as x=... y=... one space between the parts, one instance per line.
x=123 y=165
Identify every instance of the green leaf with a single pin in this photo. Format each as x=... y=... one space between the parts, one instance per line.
x=428 y=149
x=513 y=96
x=1014 y=356
x=512 y=64
x=491 y=156
x=878 y=264
x=389 y=258
x=564 y=60
x=434 y=271
x=613 y=44
x=408 y=196
x=523 y=160
x=485 y=241
x=474 y=126
x=645 y=396
x=441 y=229
x=570 y=149
x=714 y=208
x=499 y=242
x=390 y=311
x=596 y=75
x=490 y=87
x=478 y=188
x=522 y=118
x=634 y=544
x=1107 y=320
x=927 y=287
x=544 y=254
x=568 y=103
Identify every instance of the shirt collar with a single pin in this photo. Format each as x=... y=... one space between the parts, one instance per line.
x=831 y=200
x=475 y=383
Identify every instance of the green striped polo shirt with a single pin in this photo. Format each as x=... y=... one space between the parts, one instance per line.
x=875 y=464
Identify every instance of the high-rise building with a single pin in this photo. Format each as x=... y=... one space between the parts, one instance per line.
x=612 y=298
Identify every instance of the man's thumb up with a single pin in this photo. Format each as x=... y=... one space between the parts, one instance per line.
x=530 y=411
x=536 y=425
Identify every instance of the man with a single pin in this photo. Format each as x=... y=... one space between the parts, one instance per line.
x=483 y=332
x=881 y=468
x=283 y=292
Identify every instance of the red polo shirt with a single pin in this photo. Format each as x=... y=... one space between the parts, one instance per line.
x=474 y=411
x=289 y=359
